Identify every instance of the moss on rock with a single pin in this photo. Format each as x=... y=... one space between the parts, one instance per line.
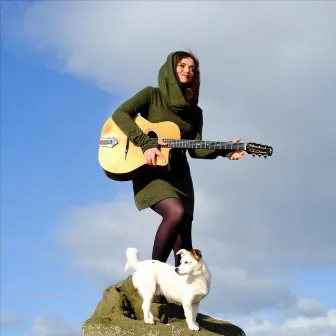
x=119 y=313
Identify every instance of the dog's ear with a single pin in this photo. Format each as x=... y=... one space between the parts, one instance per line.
x=182 y=252
x=196 y=254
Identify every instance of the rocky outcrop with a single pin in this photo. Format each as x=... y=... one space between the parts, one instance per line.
x=119 y=313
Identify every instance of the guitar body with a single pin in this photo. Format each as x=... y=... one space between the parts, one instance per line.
x=121 y=160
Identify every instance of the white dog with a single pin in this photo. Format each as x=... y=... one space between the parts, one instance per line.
x=186 y=284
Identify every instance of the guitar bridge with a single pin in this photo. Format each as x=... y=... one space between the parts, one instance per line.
x=107 y=142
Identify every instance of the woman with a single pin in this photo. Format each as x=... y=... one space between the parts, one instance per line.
x=171 y=195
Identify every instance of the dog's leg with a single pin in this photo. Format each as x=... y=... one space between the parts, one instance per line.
x=188 y=313
x=146 y=288
x=194 y=309
x=148 y=316
x=147 y=297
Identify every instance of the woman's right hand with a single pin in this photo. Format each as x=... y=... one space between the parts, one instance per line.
x=151 y=153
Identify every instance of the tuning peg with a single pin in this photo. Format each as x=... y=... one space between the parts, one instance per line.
x=265 y=156
x=253 y=156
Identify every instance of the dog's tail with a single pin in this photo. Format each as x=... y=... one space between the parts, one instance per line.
x=132 y=255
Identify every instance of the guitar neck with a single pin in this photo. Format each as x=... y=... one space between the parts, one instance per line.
x=202 y=144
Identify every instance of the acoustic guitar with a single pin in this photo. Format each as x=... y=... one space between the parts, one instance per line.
x=121 y=160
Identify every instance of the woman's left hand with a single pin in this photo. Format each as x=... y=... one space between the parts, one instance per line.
x=238 y=154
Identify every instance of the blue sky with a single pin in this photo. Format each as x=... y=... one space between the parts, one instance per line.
x=64 y=226
x=50 y=127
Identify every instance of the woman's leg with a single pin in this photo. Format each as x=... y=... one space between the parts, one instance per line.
x=184 y=240
x=174 y=231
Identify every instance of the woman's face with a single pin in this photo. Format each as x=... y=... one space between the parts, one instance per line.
x=185 y=70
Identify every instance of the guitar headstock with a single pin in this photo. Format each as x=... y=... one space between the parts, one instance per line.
x=259 y=149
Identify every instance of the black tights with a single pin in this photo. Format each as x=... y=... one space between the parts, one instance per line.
x=174 y=232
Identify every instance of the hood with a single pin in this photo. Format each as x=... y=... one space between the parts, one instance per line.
x=170 y=87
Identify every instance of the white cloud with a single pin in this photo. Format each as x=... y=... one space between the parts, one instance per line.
x=298 y=326
x=308 y=308
x=98 y=235
x=243 y=292
x=52 y=325
x=238 y=43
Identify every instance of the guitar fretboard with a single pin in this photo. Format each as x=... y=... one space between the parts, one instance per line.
x=202 y=144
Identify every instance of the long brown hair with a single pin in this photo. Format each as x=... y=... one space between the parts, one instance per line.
x=190 y=90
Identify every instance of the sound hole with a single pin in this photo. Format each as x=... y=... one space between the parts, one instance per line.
x=152 y=135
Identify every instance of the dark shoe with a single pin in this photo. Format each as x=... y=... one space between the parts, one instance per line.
x=159 y=299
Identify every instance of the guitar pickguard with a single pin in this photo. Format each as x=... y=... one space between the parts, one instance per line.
x=108 y=142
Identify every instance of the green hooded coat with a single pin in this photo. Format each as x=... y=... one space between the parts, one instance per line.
x=165 y=103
